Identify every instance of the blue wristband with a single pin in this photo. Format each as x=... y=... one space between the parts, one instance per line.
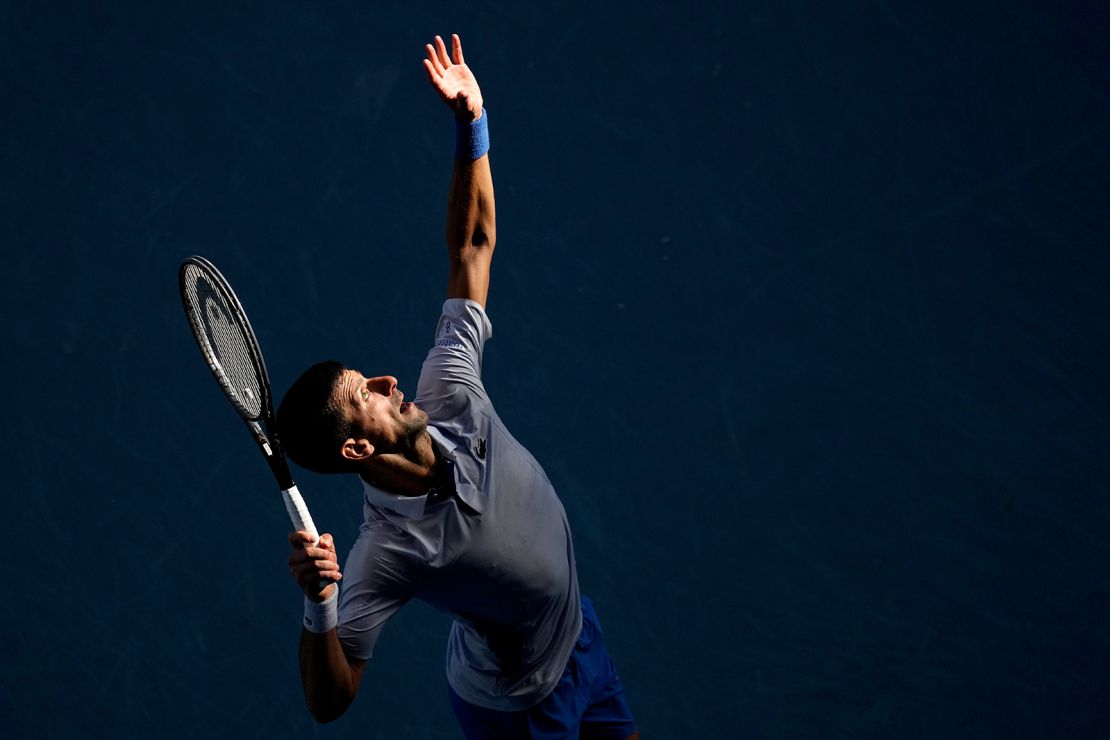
x=472 y=139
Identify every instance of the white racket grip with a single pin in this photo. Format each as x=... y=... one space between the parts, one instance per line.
x=298 y=512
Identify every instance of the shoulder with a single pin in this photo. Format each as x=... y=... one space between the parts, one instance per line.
x=460 y=317
x=383 y=552
x=452 y=371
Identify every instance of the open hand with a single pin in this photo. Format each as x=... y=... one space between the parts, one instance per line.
x=453 y=80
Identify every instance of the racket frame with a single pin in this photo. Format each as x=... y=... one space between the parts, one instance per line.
x=260 y=425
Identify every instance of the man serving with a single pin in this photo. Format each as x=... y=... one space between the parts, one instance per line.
x=456 y=512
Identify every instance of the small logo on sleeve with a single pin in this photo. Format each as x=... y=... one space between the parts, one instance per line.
x=480 y=448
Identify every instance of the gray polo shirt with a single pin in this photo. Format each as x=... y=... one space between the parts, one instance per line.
x=496 y=554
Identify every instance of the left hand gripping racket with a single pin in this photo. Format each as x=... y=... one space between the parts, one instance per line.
x=228 y=344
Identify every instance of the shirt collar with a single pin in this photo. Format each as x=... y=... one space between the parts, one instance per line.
x=441 y=439
x=407 y=506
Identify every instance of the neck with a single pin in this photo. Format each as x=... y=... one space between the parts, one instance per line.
x=410 y=472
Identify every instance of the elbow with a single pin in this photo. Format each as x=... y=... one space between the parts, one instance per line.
x=477 y=240
x=484 y=239
x=468 y=237
x=475 y=250
x=323 y=718
x=329 y=680
x=330 y=704
x=325 y=712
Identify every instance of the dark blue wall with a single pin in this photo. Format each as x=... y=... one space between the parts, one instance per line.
x=802 y=306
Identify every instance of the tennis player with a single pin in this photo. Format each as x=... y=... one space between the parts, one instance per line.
x=456 y=512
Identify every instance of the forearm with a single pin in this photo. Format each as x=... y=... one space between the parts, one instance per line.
x=329 y=680
x=471 y=220
x=471 y=214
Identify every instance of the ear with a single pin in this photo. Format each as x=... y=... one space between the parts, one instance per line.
x=356 y=449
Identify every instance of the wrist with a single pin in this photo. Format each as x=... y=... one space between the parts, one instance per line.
x=321 y=617
x=472 y=137
x=466 y=115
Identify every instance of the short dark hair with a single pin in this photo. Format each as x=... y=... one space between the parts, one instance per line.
x=311 y=425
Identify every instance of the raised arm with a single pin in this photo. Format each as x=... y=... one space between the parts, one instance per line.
x=471 y=218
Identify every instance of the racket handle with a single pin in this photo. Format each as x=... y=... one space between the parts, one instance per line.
x=298 y=512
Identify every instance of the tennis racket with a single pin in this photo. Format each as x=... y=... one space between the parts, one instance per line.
x=228 y=344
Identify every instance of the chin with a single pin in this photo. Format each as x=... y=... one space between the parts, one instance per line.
x=417 y=420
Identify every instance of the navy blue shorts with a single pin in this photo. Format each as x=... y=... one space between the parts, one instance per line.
x=587 y=702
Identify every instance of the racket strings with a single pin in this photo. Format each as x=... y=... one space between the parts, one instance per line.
x=225 y=341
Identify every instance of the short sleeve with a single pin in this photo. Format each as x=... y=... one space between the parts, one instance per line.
x=455 y=358
x=376 y=583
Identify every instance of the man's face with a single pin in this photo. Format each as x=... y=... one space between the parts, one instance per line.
x=378 y=411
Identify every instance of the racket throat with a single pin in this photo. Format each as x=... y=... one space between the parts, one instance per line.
x=261 y=439
x=278 y=466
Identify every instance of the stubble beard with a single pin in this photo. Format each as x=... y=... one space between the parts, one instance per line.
x=416 y=424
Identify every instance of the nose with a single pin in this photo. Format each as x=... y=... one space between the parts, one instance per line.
x=384 y=384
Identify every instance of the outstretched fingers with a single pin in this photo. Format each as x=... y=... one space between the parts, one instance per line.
x=432 y=62
x=444 y=60
x=456 y=49
x=451 y=78
x=433 y=76
x=438 y=61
